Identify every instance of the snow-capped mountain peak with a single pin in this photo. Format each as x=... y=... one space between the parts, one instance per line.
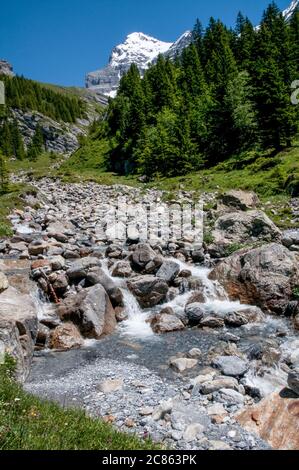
x=138 y=48
x=143 y=50
x=288 y=12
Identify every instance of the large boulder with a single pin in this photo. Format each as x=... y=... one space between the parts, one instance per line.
x=149 y=290
x=275 y=420
x=65 y=337
x=18 y=328
x=239 y=228
x=168 y=271
x=91 y=310
x=264 y=276
x=166 y=323
x=145 y=259
x=78 y=269
x=96 y=276
x=241 y=200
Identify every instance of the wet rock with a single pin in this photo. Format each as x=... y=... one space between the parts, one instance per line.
x=243 y=317
x=293 y=381
x=3 y=282
x=274 y=419
x=263 y=276
x=78 y=269
x=98 y=276
x=65 y=337
x=182 y=364
x=122 y=269
x=91 y=310
x=231 y=366
x=149 y=290
x=165 y=323
x=194 y=313
x=144 y=256
x=168 y=271
x=210 y=321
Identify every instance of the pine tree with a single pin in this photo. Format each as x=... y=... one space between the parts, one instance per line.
x=4 y=175
x=271 y=78
x=36 y=145
x=17 y=141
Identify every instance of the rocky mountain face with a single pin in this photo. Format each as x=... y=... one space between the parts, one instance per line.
x=6 y=68
x=143 y=51
x=138 y=49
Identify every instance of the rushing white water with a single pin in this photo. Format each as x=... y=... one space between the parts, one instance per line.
x=136 y=325
x=272 y=380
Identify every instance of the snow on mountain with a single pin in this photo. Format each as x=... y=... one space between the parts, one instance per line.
x=138 y=49
x=288 y=12
x=143 y=50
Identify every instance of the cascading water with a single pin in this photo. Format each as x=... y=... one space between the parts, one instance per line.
x=216 y=299
x=136 y=325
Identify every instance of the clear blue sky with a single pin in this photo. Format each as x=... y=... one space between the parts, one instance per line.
x=59 y=41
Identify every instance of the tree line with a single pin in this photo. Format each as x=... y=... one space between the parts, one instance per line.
x=12 y=143
x=228 y=93
x=25 y=94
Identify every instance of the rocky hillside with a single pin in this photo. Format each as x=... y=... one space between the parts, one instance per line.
x=57 y=113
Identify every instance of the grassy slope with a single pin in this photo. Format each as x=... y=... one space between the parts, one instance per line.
x=265 y=175
x=28 y=423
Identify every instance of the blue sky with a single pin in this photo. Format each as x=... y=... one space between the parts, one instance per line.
x=59 y=41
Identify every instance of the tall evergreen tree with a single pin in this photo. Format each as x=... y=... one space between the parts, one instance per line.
x=4 y=175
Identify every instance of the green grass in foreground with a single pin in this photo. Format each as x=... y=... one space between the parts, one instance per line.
x=28 y=423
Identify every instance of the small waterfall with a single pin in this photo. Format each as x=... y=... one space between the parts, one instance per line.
x=136 y=325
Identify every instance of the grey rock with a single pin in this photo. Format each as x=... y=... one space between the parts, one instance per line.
x=231 y=366
x=168 y=271
x=148 y=290
x=293 y=381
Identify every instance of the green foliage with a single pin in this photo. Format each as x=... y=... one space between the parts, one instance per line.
x=29 y=95
x=36 y=146
x=208 y=237
x=27 y=423
x=295 y=293
x=11 y=141
x=227 y=94
x=4 y=175
x=231 y=249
